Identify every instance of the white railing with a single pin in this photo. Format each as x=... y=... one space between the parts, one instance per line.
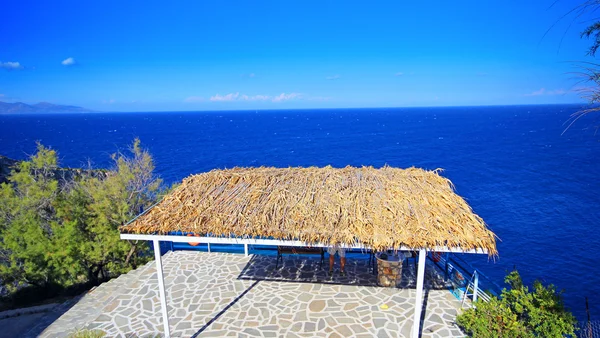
x=472 y=287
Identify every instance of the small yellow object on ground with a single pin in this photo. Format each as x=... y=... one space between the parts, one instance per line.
x=384 y=307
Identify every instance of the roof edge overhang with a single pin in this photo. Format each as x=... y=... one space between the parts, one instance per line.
x=276 y=242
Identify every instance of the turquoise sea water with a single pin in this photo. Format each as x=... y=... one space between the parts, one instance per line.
x=537 y=190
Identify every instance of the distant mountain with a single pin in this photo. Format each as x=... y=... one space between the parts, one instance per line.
x=42 y=107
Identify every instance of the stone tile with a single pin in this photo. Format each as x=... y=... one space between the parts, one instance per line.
x=298 y=300
x=253 y=332
x=382 y=333
x=344 y=330
x=310 y=327
x=317 y=305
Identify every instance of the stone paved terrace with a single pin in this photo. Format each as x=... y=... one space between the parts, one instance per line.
x=218 y=294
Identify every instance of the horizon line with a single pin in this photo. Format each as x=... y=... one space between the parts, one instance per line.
x=297 y=109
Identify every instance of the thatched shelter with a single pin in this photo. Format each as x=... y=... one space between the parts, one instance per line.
x=369 y=208
x=374 y=208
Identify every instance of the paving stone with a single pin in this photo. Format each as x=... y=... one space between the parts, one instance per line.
x=183 y=325
x=406 y=330
x=350 y=306
x=128 y=312
x=358 y=328
x=435 y=318
x=298 y=300
x=346 y=320
x=305 y=297
x=379 y=322
x=382 y=333
x=321 y=324
x=121 y=321
x=103 y=318
x=300 y=317
x=317 y=305
x=219 y=333
x=296 y=327
x=147 y=305
x=268 y=328
x=344 y=331
x=112 y=306
x=253 y=332
x=309 y=327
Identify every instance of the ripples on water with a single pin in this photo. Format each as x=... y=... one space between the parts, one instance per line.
x=537 y=190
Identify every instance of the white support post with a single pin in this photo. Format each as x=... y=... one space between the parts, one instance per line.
x=161 y=288
x=419 y=296
x=475 y=285
x=208 y=247
x=246 y=249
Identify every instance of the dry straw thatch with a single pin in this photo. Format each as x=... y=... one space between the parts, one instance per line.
x=378 y=208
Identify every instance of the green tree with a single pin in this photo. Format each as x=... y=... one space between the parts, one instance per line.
x=112 y=201
x=65 y=231
x=26 y=220
x=519 y=313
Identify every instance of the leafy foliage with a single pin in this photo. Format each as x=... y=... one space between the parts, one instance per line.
x=588 y=71
x=27 y=219
x=66 y=232
x=111 y=202
x=520 y=313
x=594 y=31
x=87 y=334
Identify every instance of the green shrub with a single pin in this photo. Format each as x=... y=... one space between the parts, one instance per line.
x=87 y=334
x=66 y=232
x=520 y=313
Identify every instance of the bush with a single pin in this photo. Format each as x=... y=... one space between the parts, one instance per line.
x=520 y=313
x=65 y=232
x=87 y=334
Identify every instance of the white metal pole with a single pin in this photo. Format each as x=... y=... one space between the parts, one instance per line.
x=208 y=247
x=475 y=286
x=161 y=289
x=419 y=296
x=246 y=249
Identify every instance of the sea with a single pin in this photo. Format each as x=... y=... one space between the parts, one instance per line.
x=534 y=181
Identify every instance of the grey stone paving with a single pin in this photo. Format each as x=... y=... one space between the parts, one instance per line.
x=307 y=269
x=217 y=294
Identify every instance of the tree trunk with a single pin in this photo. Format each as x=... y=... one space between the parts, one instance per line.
x=93 y=276
x=130 y=253
x=103 y=274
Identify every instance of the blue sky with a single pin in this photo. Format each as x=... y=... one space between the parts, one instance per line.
x=200 y=55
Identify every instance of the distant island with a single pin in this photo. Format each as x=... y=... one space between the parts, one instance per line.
x=42 y=107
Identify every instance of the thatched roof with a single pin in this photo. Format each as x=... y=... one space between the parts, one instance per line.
x=379 y=208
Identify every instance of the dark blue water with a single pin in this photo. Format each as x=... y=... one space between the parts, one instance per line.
x=537 y=190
